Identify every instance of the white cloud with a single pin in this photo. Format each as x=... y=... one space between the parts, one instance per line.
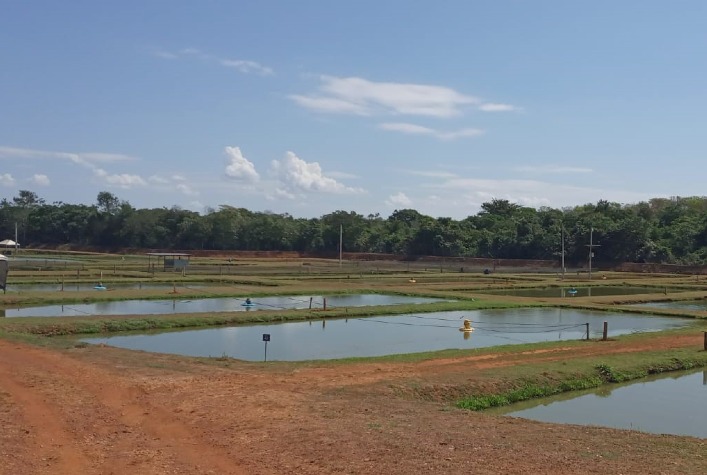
x=122 y=180
x=330 y=104
x=246 y=67
x=158 y=179
x=360 y=96
x=474 y=191
x=41 y=180
x=239 y=167
x=414 y=129
x=6 y=179
x=241 y=65
x=399 y=199
x=82 y=158
x=493 y=107
x=186 y=189
x=296 y=175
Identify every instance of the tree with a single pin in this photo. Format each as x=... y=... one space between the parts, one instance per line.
x=107 y=202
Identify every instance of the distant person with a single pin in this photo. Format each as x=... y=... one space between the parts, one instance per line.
x=247 y=301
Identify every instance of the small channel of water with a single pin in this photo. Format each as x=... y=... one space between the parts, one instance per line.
x=386 y=335
x=662 y=404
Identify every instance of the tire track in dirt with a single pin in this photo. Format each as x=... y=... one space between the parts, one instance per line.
x=150 y=439
x=50 y=443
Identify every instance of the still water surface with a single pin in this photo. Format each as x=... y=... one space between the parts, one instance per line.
x=699 y=305
x=386 y=335
x=663 y=404
x=594 y=291
x=152 y=307
x=91 y=287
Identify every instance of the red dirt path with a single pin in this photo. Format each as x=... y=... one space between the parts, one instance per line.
x=101 y=410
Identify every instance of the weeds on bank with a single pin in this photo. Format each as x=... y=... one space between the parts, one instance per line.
x=601 y=373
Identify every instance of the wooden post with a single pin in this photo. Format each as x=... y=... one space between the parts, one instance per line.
x=587 y=330
x=324 y=303
x=310 y=302
x=705 y=341
x=606 y=331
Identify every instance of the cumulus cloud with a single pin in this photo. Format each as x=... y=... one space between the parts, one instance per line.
x=122 y=180
x=398 y=200
x=296 y=175
x=239 y=167
x=241 y=65
x=354 y=95
x=41 y=180
x=6 y=179
x=414 y=129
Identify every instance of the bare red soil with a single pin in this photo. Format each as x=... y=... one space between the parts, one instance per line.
x=101 y=410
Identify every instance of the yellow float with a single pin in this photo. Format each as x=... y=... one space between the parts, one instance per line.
x=467 y=328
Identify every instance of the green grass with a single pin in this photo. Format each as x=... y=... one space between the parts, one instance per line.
x=549 y=379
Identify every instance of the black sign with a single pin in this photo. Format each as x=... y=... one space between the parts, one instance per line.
x=266 y=336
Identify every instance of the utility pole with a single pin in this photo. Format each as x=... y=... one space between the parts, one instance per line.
x=591 y=247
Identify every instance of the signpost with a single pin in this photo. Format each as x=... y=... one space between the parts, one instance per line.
x=266 y=339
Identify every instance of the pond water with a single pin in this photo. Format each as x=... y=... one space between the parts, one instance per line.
x=74 y=287
x=593 y=291
x=662 y=404
x=699 y=305
x=153 y=307
x=401 y=334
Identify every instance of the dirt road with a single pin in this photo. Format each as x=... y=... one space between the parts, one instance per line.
x=101 y=410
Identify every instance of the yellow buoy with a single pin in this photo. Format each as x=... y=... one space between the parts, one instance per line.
x=467 y=328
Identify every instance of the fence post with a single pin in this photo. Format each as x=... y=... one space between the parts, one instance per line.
x=587 y=324
x=606 y=331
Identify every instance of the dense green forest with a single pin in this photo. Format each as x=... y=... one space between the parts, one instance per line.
x=659 y=231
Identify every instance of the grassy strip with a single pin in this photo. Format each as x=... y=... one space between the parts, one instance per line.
x=598 y=374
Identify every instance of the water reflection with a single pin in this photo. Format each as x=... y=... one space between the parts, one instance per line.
x=147 y=307
x=661 y=404
x=385 y=335
x=86 y=287
x=588 y=291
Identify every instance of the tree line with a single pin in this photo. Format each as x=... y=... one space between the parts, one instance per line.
x=660 y=230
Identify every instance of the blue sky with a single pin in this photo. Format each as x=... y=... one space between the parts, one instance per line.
x=308 y=107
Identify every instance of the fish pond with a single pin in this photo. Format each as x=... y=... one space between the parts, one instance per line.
x=154 y=307
x=698 y=305
x=661 y=404
x=387 y=335
x=85 y=287
x=589 y=291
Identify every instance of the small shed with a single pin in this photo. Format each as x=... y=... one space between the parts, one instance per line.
x=175 y=261
x=4 y=266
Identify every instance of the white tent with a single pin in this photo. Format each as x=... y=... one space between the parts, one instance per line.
x=9 y=243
